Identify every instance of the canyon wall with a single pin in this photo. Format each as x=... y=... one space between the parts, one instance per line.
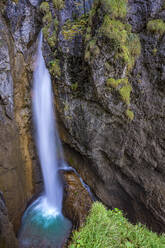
x=108 y=73
x=18 y=33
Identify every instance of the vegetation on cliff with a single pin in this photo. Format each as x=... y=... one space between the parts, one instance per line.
x=110 y=229
x=156 y=26
x=114 y=34
x=50 y=32
x=73 y=28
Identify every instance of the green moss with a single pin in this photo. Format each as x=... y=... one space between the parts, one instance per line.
x=113 y=83
x=92 y=44
x=87 y=55
x=66 y=106
x=92 y=50
x=96 y=51
x=56 y=23
x=74 y=86
x=55 y=69
x=126 y=45
x=48 y=22
x=110 y=229
x=44 y=7
x=52 y=40
x=125 y=93
x=154 y=51
x=122 y=86
x=73 y=28
x=47 y=18
x=87 y=37
x=45 y=31
x=130 y=114
x=91 y=14
x=115 y=8
x=156 y=26
x=108 y=67
x=58 y=4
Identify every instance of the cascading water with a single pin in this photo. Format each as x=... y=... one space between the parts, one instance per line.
x=46 y=133
x=43 y=224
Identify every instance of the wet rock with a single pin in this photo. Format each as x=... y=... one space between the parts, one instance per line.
x=7 y=236
x=77 y=201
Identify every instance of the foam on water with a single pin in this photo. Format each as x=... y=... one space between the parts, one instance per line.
x=43 y=226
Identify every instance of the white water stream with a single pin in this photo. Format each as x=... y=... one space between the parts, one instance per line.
x=47 y=139
x=43 y=224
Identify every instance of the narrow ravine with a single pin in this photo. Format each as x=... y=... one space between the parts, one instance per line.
x=43 y=224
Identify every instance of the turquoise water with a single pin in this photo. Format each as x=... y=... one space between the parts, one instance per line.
x=43 y=227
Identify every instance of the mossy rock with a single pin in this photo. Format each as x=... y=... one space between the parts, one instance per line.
x=55 y=69
x=125 y=93
x=113 y=83
x=126 y=45
x=58 y=4
x=115 y=8
x=44 y=7
x=129 y=114
x=156 y=26
x=73 y=28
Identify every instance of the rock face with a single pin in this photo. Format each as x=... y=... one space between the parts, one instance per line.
x=109 y=91
x=118 y=137
x=18 y=31
x=77 y=201
x=7 y=236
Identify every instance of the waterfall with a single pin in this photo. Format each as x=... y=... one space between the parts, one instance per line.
x=43 y=224
x=47 y=139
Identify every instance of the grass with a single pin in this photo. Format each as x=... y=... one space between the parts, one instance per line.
x=110 y=229
x=156 y=26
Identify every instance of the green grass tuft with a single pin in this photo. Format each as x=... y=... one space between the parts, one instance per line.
x=156 y=26
x=110 y=229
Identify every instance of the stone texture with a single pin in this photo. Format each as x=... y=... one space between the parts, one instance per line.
x=122 y=161
x=18 y=31
x=7 y=236
x=77 y=201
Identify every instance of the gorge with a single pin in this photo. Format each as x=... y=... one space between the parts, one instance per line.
x=106 y=64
